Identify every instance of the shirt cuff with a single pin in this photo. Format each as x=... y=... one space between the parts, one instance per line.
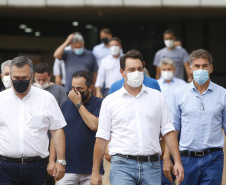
x=167 y=128
x=103 y=134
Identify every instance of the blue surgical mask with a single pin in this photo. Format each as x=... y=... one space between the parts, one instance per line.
x=201 y=76
x=79 y=51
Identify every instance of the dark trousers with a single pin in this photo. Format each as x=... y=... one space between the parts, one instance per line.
x=49 y=180
x=22 y=174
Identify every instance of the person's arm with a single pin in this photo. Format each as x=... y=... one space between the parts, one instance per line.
x=167 y=163
x=94 y=81
x=90 y=120
x=98 y=154
x=187 y=69
x=59 y=51
x=59 y=144
x=157 y=76
x=98 y=92
x=52 y=158
x=172 y=143
x=58 y=80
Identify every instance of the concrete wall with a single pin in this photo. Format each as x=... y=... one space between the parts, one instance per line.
x=125 y=3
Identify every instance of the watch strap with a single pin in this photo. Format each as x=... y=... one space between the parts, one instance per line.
x=78 y=105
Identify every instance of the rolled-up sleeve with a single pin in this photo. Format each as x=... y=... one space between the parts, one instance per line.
x=175 y=112
x=104 y=124
x=166 y=123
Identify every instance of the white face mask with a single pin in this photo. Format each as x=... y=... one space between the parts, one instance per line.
x=43 y=86
x=115 y=50
x=135 y=79
x=167 y=75
x=169 y=43
x=7 y=82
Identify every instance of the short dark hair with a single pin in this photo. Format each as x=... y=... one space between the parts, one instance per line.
x=168 y=31
x=85 y=75
x=116 y=39
x=106 y=30
x=133 y=53
x=42 y=68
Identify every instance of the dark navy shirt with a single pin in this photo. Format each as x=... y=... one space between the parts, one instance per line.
x=73 y=63
x=80 y=139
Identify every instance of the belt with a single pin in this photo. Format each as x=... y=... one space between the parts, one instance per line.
x=25 y=160
x=199 y=153
x=140 y=158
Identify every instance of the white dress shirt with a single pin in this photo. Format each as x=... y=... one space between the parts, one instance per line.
x=24 y=123
x=100 y=51
x=109 y=72
x=59 y=67
x=134 y=123
x=167 y=89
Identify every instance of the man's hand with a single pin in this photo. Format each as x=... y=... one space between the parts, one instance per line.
x=167 y=168
x=69 y=38
x=96 y=179
x=106 y=155
x=75 y=97
x=179 y=172
x=59 y=171
x=50 y=168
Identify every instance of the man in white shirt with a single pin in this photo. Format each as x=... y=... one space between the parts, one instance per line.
x=168 y=83
x=109 y=69
x=133 y=118
x=5 y=71
x=25 y=118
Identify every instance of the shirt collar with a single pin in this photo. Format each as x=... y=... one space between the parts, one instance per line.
x=163 y=81
x=210 y=87
x=28 y=94
x=143 y=89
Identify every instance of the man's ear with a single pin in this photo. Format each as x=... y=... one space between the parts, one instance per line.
x=91 y=88
x=121 y=71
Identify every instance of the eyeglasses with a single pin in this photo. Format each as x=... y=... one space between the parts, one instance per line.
x=31 y=113
x=201 y=103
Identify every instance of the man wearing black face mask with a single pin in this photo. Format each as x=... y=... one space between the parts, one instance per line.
x=26 y=116
x=102 y=50
x=81 y=112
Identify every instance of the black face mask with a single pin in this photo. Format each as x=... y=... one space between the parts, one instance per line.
x=84 y=97
x=21 y=86
x=105 y=40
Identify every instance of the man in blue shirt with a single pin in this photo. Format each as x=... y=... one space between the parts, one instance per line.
x=76 y=59
x=199 y=113
x=81 y=113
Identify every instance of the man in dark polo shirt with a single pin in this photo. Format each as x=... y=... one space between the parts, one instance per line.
x=81 y=113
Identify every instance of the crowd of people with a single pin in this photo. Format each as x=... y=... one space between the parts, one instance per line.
x=104 y=111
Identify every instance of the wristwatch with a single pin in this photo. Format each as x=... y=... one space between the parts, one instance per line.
x=63 y=162
x=78 y=105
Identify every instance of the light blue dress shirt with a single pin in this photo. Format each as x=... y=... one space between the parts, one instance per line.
x=200 y=117
x=167 y=89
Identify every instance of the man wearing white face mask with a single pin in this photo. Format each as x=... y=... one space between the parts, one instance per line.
x=5 y=74
x=76 y=59
x=109 y=69
x=178 y=55
x=199 y=113
x=42 y=81
x=168 y=83
x=133 y=117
